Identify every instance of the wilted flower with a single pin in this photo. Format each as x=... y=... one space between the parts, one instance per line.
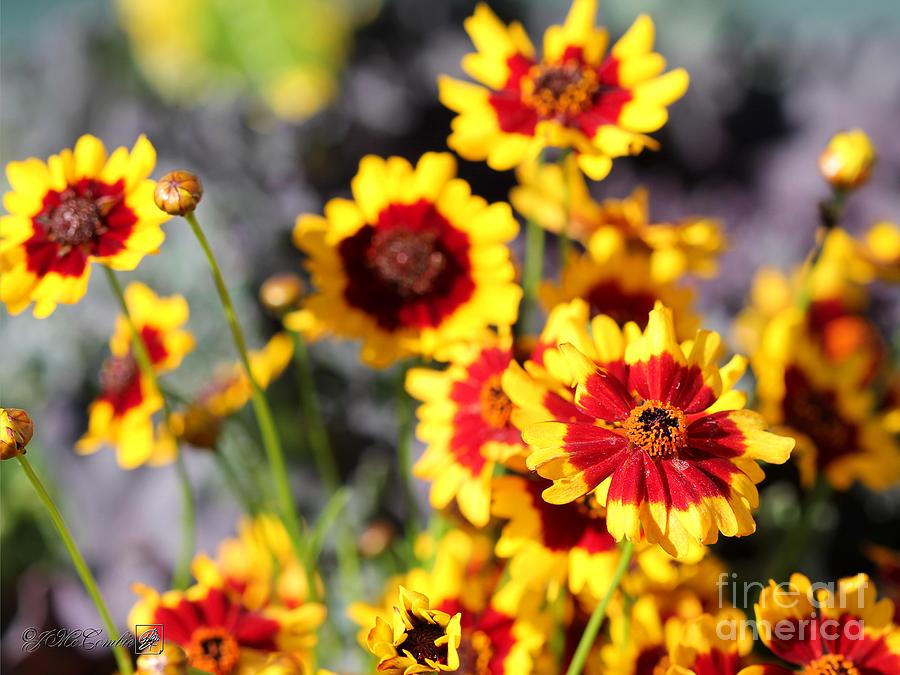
x=848 y=160
x=77 y=208
x=178 y=192
x=414 y=263
x=417 y=640
x=16 y=430
x=574 y=97
x=123 y=414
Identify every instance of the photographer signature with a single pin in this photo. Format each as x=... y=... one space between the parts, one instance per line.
x=82 y=638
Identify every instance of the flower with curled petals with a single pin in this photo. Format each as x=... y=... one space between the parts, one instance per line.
x=122 y=415
x=415 y=262
x=575 y=96
x=79 y=207
x=659 y=441
x=823 y=630
x=417 y=639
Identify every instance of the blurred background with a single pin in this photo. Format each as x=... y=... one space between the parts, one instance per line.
x=273 y=103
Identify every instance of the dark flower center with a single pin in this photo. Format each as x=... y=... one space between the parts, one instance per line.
x=409 y=261
x=74 y=222
x=659 y=429
x=831 y=664
x=474 y=653
x=559 y=90
x=495 y=404
x=420 y=643
x=117 y=374
x=214 y=650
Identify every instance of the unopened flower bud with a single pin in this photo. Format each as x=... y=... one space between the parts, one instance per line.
x=178 y=192
x=172 y=661
x=196 y=426
x=376 y=538
x=281 y=293
x=847 y=161
x=16 y=430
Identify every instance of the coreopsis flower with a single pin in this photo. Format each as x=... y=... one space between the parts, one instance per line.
x=122 y=416
x=228 y=391
x=848 y=160
x=840 y=423
x=415 y=262
x=557 y=197
x=77 y=208
x=575 y=96
x=495 y=637
x=880 y=247
x=259 y=567
x=554 y=546
x=821 y=630
x=249 y=610
x=620 y=286
x=16 y=430
x=416 y=639
x=704 y=647
x=661 y=439
x=465 y=423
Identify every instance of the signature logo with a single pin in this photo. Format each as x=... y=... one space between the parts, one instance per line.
x=149 y=638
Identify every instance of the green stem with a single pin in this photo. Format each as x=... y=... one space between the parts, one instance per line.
x=535 y=237
x=797 y=538
x=264 y=418
x=323 y=453
x=182 y=575
x=122 y=659
x=233 y=482
x=593 y=627
x=406 y=423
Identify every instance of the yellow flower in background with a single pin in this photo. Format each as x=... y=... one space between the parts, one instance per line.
x=848 y=630
x=123 y=414
x=837 y=417
x=622 y=287
x=704 y=645
x=79 y=207
x=416 y=639
x=228 y=391
x=575 y=96
x=413 y=264
x=465 y=422
x=557 y=197
x=285 y=54
x=848 y=160
x=880 y=247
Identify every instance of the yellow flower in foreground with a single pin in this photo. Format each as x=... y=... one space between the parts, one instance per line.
x=123 y=414
x=848 y=160
x=417 y=639
x=575 y=96
x=557 y=197
x=660 y=435
x=415 y=262
x=79 y=207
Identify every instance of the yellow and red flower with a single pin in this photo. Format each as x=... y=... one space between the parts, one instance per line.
x=661 y=439
x=620 y=286
x=123 y=414
x=839 y=420
x=415 y=262
x=575 y=96
x=557 y=197
x=703 y=646
x=821 y=630
x=465 y=421
x=495 y=637
x=77 y=208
